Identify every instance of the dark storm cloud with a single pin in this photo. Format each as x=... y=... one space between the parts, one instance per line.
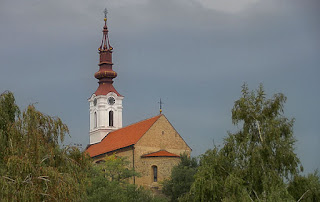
x=193 y=54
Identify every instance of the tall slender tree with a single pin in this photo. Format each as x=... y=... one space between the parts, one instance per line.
x=256 y=162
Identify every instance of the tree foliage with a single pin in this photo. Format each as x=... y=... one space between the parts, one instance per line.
x=109 y=182
x=8 y=113
x=32 y=165
x=116 y=168
x=256 y=161
x=181 y=178
x=305 y=188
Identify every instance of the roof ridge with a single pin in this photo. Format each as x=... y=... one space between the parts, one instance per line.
x=135 y=123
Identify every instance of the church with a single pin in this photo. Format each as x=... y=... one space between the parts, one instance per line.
x=152 y=146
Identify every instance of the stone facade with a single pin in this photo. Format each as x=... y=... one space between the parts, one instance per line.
x=161 y=136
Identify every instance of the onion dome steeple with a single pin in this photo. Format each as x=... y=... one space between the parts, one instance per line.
x=105 y=73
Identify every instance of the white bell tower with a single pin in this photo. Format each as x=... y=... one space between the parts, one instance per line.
x=105 y=115
x=106 y=102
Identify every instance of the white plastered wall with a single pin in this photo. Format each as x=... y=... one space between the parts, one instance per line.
x=102 y=109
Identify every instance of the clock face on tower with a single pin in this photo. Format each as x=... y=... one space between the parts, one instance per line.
x=111 y=100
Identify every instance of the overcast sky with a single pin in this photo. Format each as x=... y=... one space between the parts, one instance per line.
x=194 y=54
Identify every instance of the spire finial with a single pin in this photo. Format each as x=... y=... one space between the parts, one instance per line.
x=105 y=44
x=160 y=103
x=105 y=14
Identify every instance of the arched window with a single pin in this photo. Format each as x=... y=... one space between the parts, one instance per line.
x=154 y=173
x=95 y=120
x=110 y=118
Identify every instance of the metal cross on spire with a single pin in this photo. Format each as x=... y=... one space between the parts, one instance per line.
x=161 y=103
x=105 y=12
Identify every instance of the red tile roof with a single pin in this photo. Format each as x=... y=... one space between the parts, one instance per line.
x=122 y=137
x=161 y=153
x=105 y=88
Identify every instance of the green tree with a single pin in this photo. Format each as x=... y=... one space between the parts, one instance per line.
x=32 y=165
x=8 y=113
x=116 y=168
x=305 y=188
x=256 y=161
x=181 y=178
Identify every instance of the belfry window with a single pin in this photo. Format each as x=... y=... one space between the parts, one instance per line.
x=110 y=118
x=154 y=173
x=95 y=119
